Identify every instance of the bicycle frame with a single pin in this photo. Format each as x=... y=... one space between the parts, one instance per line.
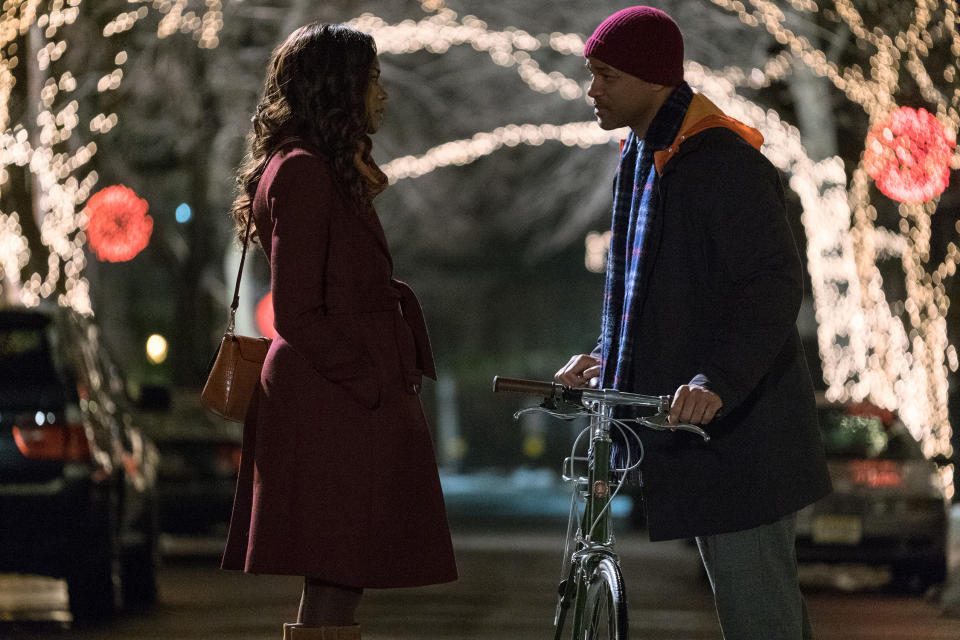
x=593 y=565
x=595 y=537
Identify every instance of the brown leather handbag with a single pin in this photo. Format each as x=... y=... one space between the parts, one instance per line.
x=235 y=369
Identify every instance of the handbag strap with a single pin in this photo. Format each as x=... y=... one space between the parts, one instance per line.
x=246 y=240
x=236 y=290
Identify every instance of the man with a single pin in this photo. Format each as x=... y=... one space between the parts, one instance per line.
x=703 y=287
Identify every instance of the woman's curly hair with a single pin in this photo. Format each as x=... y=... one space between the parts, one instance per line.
x=315 y=91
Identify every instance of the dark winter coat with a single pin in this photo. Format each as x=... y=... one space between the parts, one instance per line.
x=721 y=290
x=338 y=478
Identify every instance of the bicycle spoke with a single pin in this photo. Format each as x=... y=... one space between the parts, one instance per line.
x=599 y=624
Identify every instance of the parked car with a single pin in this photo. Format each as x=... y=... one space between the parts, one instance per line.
x=888 y=506
x=77 y=478
x=199 y=461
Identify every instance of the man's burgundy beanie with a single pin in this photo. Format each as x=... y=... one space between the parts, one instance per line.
x=642 y=41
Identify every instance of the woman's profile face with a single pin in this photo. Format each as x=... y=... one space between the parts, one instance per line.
x=376 y=99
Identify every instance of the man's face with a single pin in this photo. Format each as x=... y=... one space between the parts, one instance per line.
x=623 y=100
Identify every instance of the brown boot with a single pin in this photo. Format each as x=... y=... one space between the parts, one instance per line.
x=299 y=631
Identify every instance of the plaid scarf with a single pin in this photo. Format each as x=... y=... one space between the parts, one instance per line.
x=635 y=203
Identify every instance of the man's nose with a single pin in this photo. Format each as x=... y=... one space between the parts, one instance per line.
x=593 y=90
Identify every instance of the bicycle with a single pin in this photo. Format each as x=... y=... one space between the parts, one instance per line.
x=591 y=579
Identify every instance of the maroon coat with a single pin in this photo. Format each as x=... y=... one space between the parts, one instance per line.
x=338 y=478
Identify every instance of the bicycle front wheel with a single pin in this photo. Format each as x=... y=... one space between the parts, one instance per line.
x=605 y=611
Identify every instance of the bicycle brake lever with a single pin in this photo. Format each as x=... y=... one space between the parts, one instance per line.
x=549 y=404
x=659 y=422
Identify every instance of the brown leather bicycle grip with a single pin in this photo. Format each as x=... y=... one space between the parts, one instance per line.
x=527 y=387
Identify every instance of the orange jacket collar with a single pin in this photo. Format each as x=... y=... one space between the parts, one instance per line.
x=702 y=115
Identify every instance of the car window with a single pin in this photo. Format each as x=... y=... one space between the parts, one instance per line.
x=24 y=353
x=866 y=437
x=30 y=372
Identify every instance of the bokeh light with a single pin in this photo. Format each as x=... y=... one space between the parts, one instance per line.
x=891 y=351
x=48 y=141
x=908 y=155
x=156 y=348
x=118 y=227
x=264 y=316
x=183 y=213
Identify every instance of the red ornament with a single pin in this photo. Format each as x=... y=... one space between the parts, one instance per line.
x=908 y=155
x=118 y=227
x=264 y=314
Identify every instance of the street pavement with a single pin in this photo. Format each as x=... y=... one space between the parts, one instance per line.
x=506 y=590
x=509 y=555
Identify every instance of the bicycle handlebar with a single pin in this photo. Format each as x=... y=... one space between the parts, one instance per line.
x=577 y=395
x=526 y=387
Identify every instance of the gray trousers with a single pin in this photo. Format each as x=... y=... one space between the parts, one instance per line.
x=753 y=574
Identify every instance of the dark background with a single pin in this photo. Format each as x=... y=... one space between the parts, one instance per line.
x=495 y=248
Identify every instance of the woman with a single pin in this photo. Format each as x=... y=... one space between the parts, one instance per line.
x=338 y=481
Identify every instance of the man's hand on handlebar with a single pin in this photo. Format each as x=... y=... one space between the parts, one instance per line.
x=694 y=404
x=578 y=371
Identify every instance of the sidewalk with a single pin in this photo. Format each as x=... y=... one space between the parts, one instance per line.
x=537 y=497
x=950 y=599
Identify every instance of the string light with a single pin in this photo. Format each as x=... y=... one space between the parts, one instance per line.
x=597 y=246
x=62 y=179
x=461 y=152
x=508 y=48
x=891 y=352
